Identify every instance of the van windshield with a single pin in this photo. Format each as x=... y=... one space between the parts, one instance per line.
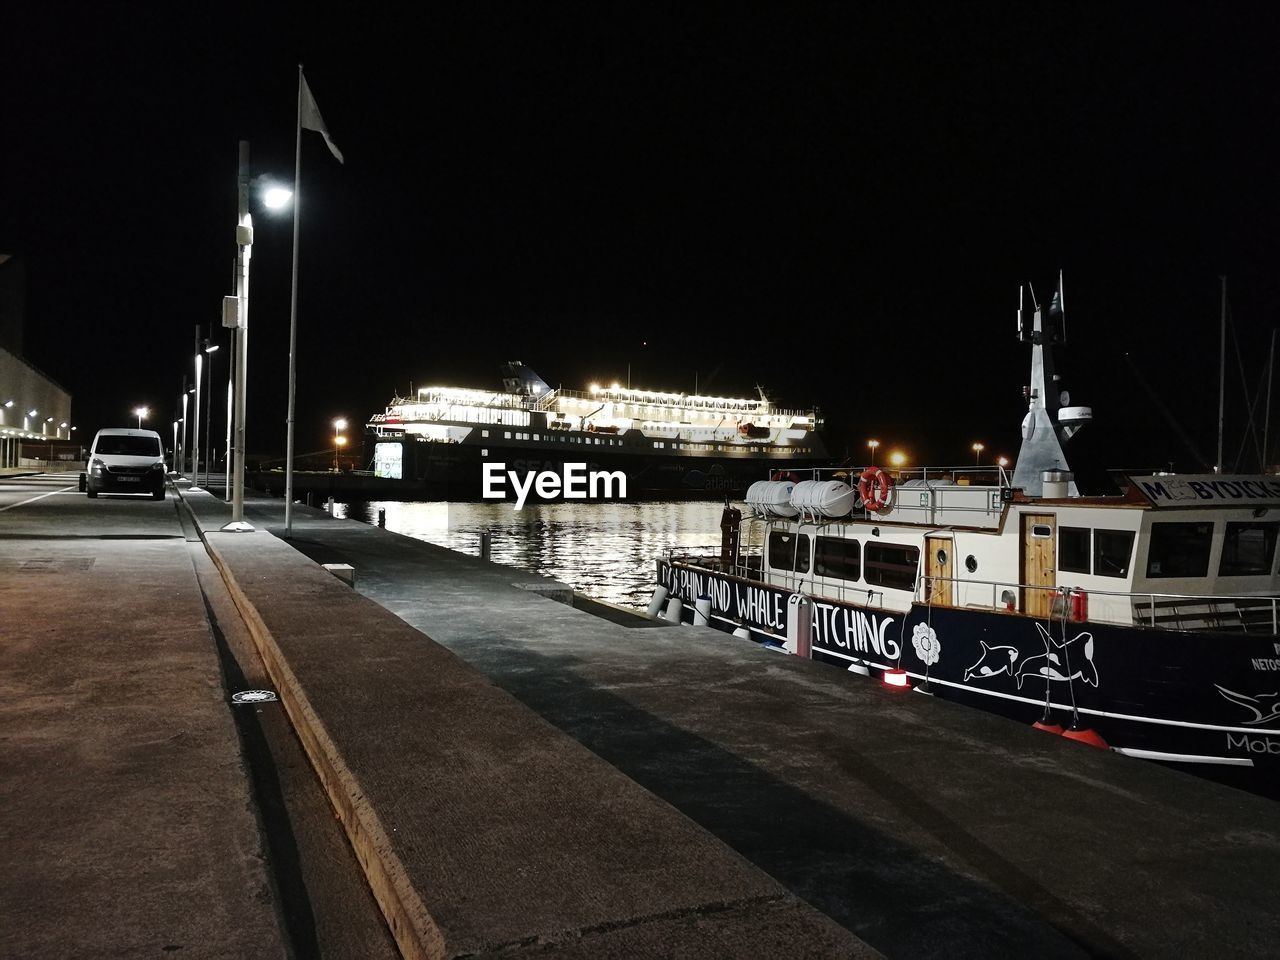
x=122 y=445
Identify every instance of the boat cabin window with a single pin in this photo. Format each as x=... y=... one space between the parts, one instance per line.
x=1179 y=550
x=1073 y=549
x=789 y=551
x=1248 y=549
x=1112 y=552
x=891 y=565
x=837 y=557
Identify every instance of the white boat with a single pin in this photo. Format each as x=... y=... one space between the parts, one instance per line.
x=1146 y=619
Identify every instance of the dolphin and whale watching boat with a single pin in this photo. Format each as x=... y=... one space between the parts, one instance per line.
x=1144 y=618
x=665 y=443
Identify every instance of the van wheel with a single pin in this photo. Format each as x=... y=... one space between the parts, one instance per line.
x=92 y=493
x=157 y=494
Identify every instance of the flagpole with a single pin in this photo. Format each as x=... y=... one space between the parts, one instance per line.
x=293 y=317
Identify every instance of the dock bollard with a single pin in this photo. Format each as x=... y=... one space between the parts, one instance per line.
x=702 y=612
x=382 y=517
x=309 y=498
x=674 y=611
x=486 y=543
x=799 y=625
x=328 y=506
x=655 y=605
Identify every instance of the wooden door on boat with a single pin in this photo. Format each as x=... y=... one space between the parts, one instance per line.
x=937 y=570
x=1039 y=569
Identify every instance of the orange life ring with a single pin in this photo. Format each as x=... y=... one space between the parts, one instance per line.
x=874 y=486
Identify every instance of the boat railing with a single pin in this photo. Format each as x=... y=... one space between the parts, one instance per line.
x=740 y=407
x=1170 y=611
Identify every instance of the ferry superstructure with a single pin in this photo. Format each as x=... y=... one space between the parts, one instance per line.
x=665 y=442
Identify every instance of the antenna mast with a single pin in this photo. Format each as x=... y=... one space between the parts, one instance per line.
x=1222 y=375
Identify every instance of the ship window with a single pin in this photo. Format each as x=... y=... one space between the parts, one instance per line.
x=837 y=557
x=484 y=433
x=537 y=436
x=787 y=551
x=506 y=434
x=891 y=565
x=1073 y=549
x=1248 y=549
x=1112 y=550
x=1179 y=550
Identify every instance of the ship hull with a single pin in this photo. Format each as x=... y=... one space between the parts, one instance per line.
x=455 y=471
x=1192 y=698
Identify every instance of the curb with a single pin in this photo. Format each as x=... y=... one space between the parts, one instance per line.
x=414 y=929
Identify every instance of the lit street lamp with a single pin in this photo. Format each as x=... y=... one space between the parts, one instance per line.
x=872 y=444
x=339 y=440
x=175 y=446
x=977 y=453
x=195 y=431
x=210 y=349
x=141 y=412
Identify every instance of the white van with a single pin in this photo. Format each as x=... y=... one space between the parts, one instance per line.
x=126 y=461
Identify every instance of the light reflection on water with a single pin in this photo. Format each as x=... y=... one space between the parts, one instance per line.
x=605 y=550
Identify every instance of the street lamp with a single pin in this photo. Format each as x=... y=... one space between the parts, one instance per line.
x=872 y=444
x=240 y=339
x=1002 y=462
x=209 y=349
x=141 y=412
x=195 y=431
x=339 y=440
x=175 y=446
x=977 y=453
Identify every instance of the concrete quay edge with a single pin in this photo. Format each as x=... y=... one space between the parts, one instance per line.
x=754 y=908
x=412 y=926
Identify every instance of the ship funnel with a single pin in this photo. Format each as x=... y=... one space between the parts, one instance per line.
x=1056 y=484
x=520 y=380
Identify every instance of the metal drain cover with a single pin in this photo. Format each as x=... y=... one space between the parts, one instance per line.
x=253 y=696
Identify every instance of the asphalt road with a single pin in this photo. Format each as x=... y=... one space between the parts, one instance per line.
x=120 y=651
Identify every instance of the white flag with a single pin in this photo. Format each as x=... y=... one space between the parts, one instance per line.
x=309 y=119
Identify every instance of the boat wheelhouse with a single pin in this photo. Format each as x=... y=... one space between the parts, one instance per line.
x=1147 y=619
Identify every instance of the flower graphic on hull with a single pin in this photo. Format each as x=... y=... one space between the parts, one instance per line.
x=926 y=643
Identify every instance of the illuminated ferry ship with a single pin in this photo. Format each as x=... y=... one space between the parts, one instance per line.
x=1145 y=617
x=663 y=442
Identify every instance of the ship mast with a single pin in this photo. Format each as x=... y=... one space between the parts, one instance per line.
x=1050 y=420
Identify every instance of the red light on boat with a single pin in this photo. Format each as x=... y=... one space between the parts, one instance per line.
x=896 y=678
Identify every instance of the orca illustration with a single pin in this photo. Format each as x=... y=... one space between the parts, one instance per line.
x=1078 y=651
x=1265 y=706
x=993 y=662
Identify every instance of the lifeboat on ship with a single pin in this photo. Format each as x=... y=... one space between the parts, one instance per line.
x=752 y=432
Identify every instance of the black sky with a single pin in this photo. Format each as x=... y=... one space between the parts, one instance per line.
x=836 y=201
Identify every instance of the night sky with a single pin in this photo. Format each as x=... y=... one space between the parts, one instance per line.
x=837 y=202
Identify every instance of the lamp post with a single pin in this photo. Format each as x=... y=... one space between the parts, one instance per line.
x=195 y=431
x=871 y=445
x=139 y=412
x=209 y=349
x=244 y=249
x=175 y=446
x=338 y=439
x=977 y=454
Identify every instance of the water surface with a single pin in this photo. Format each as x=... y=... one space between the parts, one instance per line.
x=605 y=550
